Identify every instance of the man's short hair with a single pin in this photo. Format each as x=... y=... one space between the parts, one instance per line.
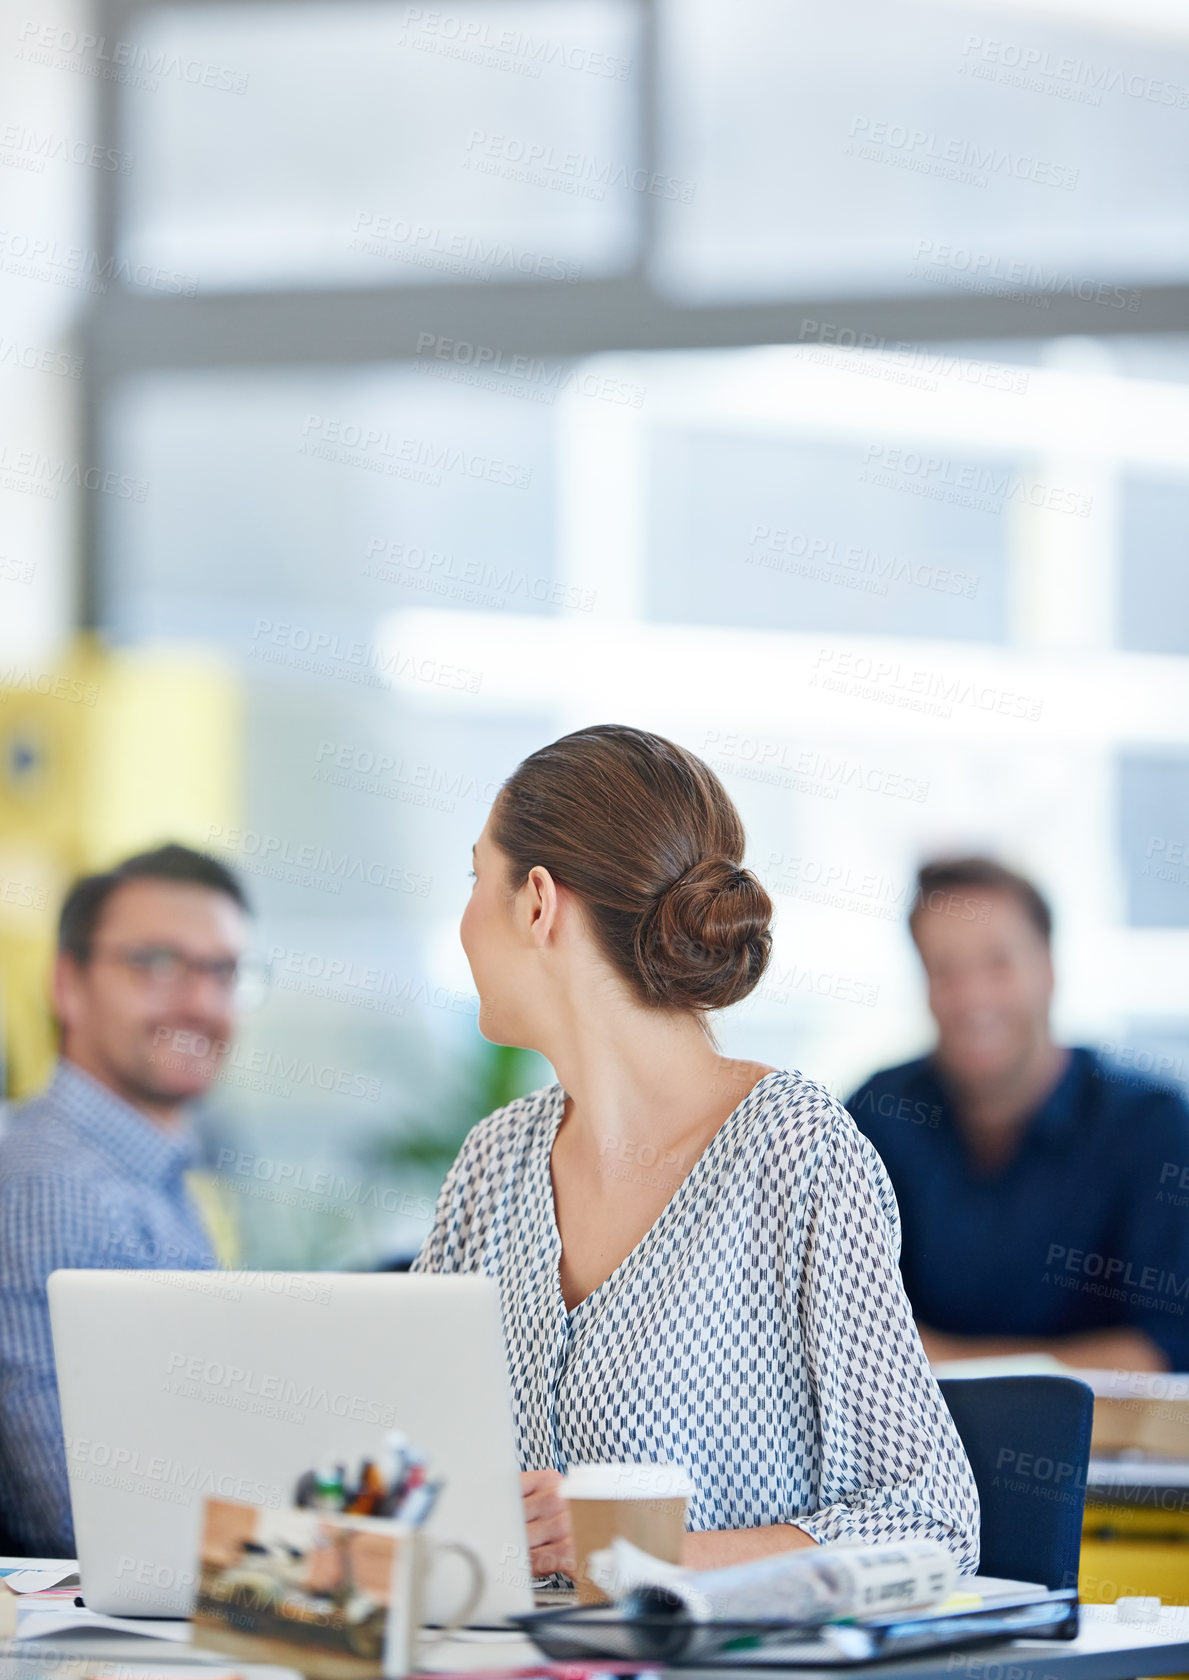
x=945 y=876
x=84 y=902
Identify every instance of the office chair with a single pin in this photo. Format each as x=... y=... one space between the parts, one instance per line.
x=1028 y=1442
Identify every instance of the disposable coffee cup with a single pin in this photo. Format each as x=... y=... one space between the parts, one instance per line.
x=643 y=1503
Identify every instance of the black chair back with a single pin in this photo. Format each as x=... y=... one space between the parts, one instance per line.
x=1028 y=1442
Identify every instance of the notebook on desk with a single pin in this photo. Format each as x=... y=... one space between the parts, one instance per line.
x=1049 y=1616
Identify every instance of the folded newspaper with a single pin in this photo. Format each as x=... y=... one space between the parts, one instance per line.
x=811 y=1586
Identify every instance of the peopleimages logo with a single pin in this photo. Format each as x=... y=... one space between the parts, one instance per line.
x=44 y=475
x=540 y=163
x=925 y=365
x=251 y=1174
x=469 y=256
x=792 y=984
x=898 y=1108
x=971 y=162
x=196 y=1373
x=807 y=554
x=841 y=887
x=518 y=375
x=922 y=473
x=492 y=584
x=266 y=1069
x=54 y=684
x=1116 y=1275
x=1022 y=65
x=327 y=654
x=1167 y=859
x=374 y=448
x=39 y=358
x=172 y=1480
x=23 y=894
x=802 y=769
x=266 y=853
x=30 y=149
x=121 y=61
x=986 y=271
x=372 y=769
x=915 y=687
x=33 y=257
x=488 y=41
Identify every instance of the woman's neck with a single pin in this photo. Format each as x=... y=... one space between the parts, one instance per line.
x=635 y=1076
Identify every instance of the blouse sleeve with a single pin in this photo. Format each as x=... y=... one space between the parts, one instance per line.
x=444 y=1249
x=892 y=1464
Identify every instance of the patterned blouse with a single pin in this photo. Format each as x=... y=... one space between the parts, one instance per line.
x=758 y=1334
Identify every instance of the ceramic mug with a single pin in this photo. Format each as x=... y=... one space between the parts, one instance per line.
x=408 y=1636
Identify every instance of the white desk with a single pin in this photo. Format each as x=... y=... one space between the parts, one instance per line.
x=1108 y=1475
x=1106 y=1649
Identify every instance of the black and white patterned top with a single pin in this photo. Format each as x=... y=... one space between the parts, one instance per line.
x=758 y=1334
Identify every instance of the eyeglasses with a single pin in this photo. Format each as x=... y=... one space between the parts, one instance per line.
x=166 y=969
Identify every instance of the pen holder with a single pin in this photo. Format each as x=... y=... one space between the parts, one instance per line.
x=335 y=1597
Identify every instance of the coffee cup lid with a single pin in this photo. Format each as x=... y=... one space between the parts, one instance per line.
x=627 y=1481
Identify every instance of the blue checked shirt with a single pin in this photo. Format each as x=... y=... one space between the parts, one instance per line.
x=88 y=1181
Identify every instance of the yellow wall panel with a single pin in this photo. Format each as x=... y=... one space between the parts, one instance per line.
x=109 y=753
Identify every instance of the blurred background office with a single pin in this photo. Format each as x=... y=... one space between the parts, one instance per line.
x=389 y=389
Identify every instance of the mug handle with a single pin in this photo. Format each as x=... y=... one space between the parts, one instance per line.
x=433 y=1636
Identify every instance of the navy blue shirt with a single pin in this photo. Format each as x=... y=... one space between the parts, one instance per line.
x=1085 y=1227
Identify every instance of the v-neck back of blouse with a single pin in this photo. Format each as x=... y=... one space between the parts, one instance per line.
x=677 y=1203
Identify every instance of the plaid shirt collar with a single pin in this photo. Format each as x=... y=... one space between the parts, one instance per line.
x=131 y=1141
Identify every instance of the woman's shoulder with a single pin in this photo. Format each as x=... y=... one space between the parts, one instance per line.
x=509 y=1133
x=788 y=1100
x=807 y=1138
x=798 y=1120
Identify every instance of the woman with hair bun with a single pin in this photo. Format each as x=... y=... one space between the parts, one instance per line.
x=697 y=1257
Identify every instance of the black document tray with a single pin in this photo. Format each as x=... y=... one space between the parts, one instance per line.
x=602 y=1633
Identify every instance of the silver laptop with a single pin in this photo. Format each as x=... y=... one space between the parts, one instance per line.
x=179 y=1386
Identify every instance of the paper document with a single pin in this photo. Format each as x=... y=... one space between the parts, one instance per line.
x=819 y=1584
x=39 y=1579
x=36 y=1623
x=1005 y=1365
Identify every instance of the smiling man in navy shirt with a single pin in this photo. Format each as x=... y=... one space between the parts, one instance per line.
x=1042 y=1191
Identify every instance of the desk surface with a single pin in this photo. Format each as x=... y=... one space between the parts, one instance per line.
x=1105 y=1649
x=1107 y=1473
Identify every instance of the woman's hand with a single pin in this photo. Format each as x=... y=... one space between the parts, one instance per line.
x=547 y=1522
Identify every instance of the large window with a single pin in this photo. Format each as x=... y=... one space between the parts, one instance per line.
x=564 y=369
x=376 y=144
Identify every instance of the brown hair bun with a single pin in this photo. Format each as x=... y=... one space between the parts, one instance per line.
x=645 y=835
x=706 y=942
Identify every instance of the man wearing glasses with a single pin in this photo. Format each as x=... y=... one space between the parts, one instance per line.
x=150 y=972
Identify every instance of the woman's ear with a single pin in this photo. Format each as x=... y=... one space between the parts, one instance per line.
x=542 y=904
